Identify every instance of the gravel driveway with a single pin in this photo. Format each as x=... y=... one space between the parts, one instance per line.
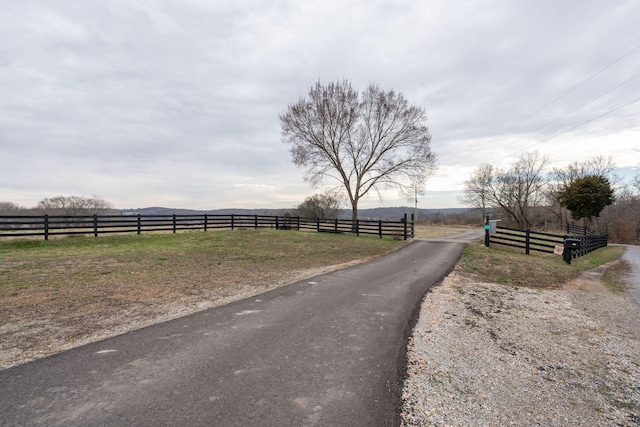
x=491 y=355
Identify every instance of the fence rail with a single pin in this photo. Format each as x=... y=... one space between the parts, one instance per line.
x=546 y=242
x=580 y=230
x=52 y=225
x=526 y=239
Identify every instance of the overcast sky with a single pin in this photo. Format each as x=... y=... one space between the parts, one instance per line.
x=176 y=103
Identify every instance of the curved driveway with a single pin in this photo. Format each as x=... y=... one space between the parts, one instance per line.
x=632 y=256
x=324 y=351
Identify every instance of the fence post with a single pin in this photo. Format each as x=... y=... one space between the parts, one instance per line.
x=139 y=224
x=486 y=232
x=335 y=226
x=255 y=222
x=380 y=228
x=357 y=227
x=317 y=225
x=298 y=222
x=46 y=227
x=174 y=223
x=206 y=221
x=526 y=242
x=413 y=226
x=232 y=224
x=277 y=224
x=405 y=226
x=95 y=225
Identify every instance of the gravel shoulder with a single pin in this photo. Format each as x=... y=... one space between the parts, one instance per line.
x=484 y=354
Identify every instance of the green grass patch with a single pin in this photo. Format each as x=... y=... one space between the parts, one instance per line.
x=68 y=262
x=512 y=267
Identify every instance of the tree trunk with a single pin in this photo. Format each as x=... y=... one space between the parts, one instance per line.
x=354 y=215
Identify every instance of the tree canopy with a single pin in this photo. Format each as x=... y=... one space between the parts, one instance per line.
x=586 y=197
x=364 y=141
x=325 y=205
x=74 y=205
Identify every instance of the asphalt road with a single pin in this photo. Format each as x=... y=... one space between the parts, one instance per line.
x=324 y=351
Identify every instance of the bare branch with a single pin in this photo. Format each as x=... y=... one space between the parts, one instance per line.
x=371 y=140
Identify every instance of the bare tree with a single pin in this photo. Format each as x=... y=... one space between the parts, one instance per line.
x=621 y=221
x=477 y=189
x=598 y=165
x=636 y=183
x=365 y=141
x=74 y=205
x=10 y=208
x=518 y=190
x=325 y=205
x=561 y=179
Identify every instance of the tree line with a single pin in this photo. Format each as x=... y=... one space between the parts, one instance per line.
x=528 y=195
x=61 y=206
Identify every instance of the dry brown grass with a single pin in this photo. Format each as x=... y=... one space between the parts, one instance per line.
x=66 y=292
x=504 y=265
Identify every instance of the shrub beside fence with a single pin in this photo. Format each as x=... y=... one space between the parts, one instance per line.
x=51 y=225
x=529 y=240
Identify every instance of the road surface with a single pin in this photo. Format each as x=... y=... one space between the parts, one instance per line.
x=324 y=351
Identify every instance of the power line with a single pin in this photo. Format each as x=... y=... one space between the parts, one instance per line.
x=590 y=120
x=575 y=87
x=586 y=103
x=576 y=126
x=582 y=105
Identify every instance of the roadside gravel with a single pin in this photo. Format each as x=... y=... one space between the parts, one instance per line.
x=484 y=354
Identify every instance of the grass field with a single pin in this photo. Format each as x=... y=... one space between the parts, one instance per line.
x=68 y=291
x=64 y=292
x=78 y=262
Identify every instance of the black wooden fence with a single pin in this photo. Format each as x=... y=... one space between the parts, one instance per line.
x=526 y=239
x=580 y=230
x=590 y=239
x=52 y=225
x=547 y=242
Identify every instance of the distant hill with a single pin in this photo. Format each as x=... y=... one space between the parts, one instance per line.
x=169 y=211
x=391 y=213
x=395 y=213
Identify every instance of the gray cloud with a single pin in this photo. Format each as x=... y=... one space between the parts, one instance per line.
x=176 y=102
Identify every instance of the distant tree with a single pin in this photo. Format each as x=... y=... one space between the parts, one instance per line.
x=477 y=189
x=325 y=205
x=621 y=220
x=518 y=190
x=364 y=141
x=10 y=208
x=586 y=197
x=74 y=205
x=515 y=192
x=562 y=177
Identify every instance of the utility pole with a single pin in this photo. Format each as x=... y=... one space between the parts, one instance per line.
x=415 y=215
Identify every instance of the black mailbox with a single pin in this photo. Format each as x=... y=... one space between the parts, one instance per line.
x=572 y=243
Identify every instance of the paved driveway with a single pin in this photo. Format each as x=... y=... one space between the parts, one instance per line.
x=324 y=351
x=632 y=256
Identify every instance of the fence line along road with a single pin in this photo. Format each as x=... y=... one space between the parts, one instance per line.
x=55 y=225
x=589 y=239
